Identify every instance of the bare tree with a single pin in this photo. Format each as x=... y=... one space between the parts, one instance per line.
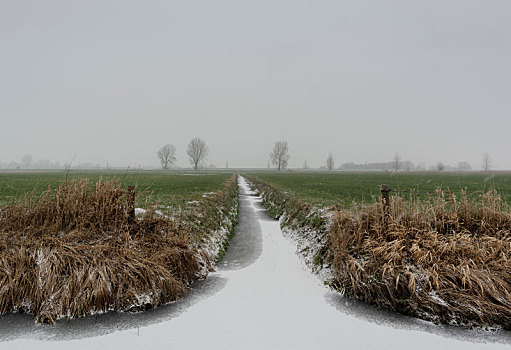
x=197 y=152
x=280 y=155
x=464 y=166
x=330 y=162
x=26 y=160
x=440 y=166
x=396 y=162
x=167 y=156
x=305 y=166
x=486 y=162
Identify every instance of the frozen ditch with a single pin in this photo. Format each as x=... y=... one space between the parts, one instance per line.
x=261 y=297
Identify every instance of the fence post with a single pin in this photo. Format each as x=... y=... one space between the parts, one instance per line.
x=131 y=203
x=385 y=198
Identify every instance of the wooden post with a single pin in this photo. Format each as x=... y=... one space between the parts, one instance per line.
x=385 y=198
x=131 y=203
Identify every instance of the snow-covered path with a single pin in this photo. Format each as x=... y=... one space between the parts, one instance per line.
x=261 y=297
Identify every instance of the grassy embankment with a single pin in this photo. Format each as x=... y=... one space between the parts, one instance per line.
x=444 y=257
x=75 y=249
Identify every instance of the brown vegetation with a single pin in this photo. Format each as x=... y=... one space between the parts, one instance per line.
x=447 y=260
x=443 y=259
x=76 y=250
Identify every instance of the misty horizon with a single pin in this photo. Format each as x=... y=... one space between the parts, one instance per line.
x=404 y=165
x=101 y=82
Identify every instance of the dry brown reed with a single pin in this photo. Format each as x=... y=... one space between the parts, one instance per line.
x=446 y=259
x=75 y=251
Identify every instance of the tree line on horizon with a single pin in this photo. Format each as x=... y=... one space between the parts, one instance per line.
x=197 y=151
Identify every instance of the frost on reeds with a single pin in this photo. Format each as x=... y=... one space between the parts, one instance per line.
x=446 y=259
x=75 y=251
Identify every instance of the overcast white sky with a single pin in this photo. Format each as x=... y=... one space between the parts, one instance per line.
x=112 y=81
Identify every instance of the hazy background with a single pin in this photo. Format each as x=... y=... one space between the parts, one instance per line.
x=112 y=81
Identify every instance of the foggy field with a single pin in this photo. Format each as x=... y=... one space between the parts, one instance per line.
x=235 y=150
x=344 y=188
x=172 y=188
x=164 y=188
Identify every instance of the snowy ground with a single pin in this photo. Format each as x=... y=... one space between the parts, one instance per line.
x=261 y=297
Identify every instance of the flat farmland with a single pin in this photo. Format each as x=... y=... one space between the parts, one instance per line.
x=170 y=188
x=345 y=188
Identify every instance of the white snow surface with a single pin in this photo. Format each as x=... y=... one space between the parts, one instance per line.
x=274 y=303
x=140 y=211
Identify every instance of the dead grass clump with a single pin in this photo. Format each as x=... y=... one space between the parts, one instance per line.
x=72 y=206
x=76 y=250
x=447 y=260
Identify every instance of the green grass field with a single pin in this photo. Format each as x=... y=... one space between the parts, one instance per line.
x=165 y=188
x=344 y=188
x=174 y=188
